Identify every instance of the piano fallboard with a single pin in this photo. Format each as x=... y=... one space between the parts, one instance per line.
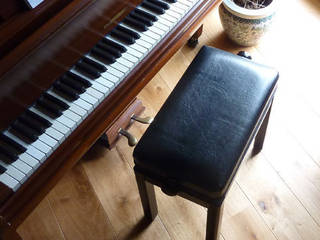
x=53 y=50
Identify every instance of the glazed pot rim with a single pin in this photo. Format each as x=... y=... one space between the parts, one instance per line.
x=250 y=13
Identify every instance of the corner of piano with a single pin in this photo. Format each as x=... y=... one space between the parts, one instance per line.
x=7 y=232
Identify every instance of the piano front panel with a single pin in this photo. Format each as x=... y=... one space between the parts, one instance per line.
x=37 y=72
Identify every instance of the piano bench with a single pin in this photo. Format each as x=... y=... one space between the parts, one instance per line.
x=198 y=139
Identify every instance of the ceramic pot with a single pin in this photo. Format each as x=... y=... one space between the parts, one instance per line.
x=245 y=26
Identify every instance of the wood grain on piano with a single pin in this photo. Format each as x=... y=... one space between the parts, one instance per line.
x=31 y=71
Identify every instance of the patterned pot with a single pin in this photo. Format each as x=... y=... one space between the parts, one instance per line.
x=245 y=26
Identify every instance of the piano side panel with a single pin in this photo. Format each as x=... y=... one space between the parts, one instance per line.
x=31 y=193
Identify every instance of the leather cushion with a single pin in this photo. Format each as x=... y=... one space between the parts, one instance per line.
x=200 y=132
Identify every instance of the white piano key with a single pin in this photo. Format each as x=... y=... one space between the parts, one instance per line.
x=95 y=93
x=88 y=98
x=150 y=37
x=107 y=83
x=15 y=173
x=34 y=152
x=143 y=43
x=157 y=30
x=42 y=147
x=173 y=14
x=161 y=17
x=49 y=140
x=127 y=46
x=61 y=128
x=30 y=148
x=96 y=86
x=83 y=104
x=144 y=37
x=66 y=121
x=28 y=159
x=25 y=168
x=140 y=51
x=110 y=77
x=125 y=62
x=55 y=134
x=78 y=110
x=119 y=67
x=178 y=8
x=9 y=181
x=115 y=72
x=186 y=3
x=102 y=85
x=163 y=27
x=73 y=107
x=73 y=116
x=55 y=124
x=130 y=58
x=166 y=22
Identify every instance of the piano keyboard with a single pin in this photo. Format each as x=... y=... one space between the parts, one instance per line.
x=39 y=131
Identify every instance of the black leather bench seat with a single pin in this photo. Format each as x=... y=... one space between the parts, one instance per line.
x=201 y=133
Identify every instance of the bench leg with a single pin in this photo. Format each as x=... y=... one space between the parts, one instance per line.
x=259 y=140
x=148 y=197
x=214 y=217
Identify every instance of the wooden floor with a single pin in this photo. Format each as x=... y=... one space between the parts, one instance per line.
x=276 y=195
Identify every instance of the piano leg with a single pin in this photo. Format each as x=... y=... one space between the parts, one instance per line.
x=193 y=41
x=7 y=232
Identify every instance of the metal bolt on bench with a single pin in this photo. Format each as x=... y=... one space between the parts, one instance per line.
x=197 y=141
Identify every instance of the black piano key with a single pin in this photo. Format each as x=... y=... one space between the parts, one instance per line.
x=140 y=26
x=152 y=7
x=99 y=52
x=32 y=124
x=73 y=84
x=12 y=143
x=48 y=106
x=9 y=156
x=69 y=92
x=160 y=4
x=145 y=14
x=38 y=118
x=55 y=100
x=170 y=1
x=128 y=31
x=117 y=46
x=81 y=80
x=109 y=48
x=94 y=64
x=88 y=69
x=122 y=36
x=25 y=131
x=141 y=19
x=2 y=169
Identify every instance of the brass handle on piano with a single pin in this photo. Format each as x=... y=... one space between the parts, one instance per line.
x=132 y=141
x=144 y=120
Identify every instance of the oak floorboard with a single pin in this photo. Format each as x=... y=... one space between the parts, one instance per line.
x=41 y=224
x=279 y=207
x=78 y=210
x=114 y=182
x=296 y=168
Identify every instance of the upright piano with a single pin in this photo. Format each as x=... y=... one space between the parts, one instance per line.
x=68 y=70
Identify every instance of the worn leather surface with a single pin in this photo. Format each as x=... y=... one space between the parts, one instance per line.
x=200 y=132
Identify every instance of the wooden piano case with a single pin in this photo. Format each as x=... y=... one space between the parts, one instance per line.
x=31 y=40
